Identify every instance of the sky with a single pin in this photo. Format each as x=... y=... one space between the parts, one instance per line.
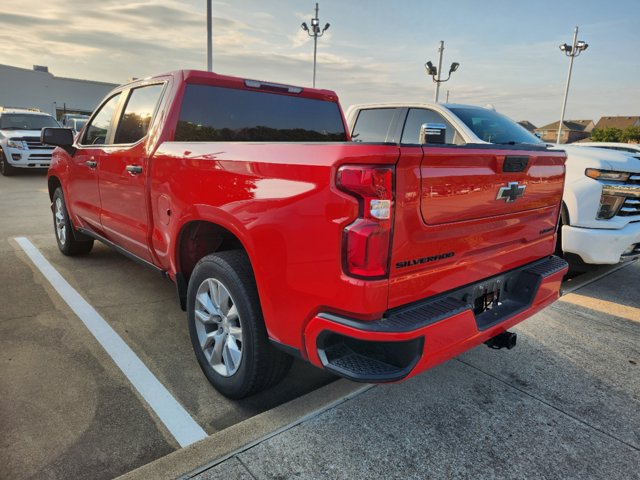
x=374 y=51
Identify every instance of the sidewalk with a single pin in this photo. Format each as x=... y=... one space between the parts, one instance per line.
x=535 y=412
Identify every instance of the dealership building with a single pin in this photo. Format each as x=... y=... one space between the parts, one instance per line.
x=37 y=88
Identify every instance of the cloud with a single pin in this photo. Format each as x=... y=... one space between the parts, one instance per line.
x=112 y=40
x=21 y=20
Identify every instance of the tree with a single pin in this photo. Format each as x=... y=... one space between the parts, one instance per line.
x=610 y=134
x=631 y=135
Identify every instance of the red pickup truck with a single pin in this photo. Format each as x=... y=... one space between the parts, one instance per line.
x=374 y=261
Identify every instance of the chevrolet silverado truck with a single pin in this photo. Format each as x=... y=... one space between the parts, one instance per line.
x=20 y=145
x=600 y=216
x=374 y=261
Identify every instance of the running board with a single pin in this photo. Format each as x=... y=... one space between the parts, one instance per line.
x=119 y=249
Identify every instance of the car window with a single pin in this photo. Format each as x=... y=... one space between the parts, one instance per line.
x=138 y=112
x=218 y=114
x=373 y=125
x=419 y=116
x=96 y=132
x=494 y=127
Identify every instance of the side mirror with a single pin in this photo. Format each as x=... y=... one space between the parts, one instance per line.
x=60 y=137
x=433 y=133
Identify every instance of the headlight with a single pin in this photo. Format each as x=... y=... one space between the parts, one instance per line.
x=607 y=175
x=19 y=144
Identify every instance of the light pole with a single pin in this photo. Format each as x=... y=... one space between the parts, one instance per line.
x=315 y=32
x=209 y=39
x=437 y=72
x=570 y=51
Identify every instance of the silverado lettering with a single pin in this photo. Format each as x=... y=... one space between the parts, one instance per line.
x=279 y=231
x=418 y=261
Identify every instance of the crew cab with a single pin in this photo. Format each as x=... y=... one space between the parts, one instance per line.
x=20 y=145
x=374 y=261
x=600 y=219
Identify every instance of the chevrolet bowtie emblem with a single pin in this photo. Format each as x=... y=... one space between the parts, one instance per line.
x=511 y=192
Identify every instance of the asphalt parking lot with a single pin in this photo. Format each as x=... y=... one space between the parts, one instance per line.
x=66 y=410
x=564 y=404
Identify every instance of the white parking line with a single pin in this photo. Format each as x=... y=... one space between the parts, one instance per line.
x=177 y=420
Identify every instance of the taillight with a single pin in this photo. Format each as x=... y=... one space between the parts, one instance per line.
x=367 y=240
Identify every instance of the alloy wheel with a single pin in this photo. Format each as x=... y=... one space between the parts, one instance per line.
x=218 y=327
x=60 y=220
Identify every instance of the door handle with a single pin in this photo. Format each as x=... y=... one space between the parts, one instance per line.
x=134 y=169
x=91 y=163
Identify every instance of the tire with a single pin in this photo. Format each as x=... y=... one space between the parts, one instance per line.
x=6 y=169
x=227 y=329
x=65 y=234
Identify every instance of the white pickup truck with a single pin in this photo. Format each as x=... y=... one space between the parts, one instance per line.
x=600 y=221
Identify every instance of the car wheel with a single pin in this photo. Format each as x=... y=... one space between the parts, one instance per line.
x=5 y=168
x=65 y=234
x=227 y=328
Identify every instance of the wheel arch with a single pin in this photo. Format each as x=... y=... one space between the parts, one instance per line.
x=53 y=183
x=195 y=240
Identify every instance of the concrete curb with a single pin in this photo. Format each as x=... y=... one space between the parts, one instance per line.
x=216 y=448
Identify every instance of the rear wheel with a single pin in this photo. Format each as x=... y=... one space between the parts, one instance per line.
x=227 y=329
x=5 y=168
x=65 y=234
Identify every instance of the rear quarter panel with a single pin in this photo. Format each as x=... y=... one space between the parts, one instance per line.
x=281 y=202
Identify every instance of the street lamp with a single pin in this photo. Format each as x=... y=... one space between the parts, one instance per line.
x=437 y=72
x=570 y=51
x=209 y=39
x=315 y=32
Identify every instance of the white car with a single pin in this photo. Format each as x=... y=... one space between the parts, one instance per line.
x=20 y=145
x=67 y=119
x=77 y=124
x=600 y=220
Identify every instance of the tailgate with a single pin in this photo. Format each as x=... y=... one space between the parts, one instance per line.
x=465 y=184
x=468 y=213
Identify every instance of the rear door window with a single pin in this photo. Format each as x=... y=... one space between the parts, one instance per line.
x=373 y=125
x=97 y=131
x=419 y=116
x=217 y=114
x=138 y=113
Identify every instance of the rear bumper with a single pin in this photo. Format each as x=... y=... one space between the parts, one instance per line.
x=416 y=337
x=599 y=245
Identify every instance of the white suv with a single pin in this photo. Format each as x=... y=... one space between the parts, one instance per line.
x=600 y=219
x=20 y=145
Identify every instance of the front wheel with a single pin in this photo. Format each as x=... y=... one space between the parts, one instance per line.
x=5 y=168
x=227 y=329
x=68 y=244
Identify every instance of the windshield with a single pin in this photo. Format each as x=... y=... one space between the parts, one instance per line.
x=494 y=127
x=22 y=121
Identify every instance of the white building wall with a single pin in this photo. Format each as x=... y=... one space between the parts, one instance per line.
x=23 y=88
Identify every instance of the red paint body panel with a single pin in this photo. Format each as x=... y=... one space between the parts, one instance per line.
x=281 y=202
x=82 y=195
x=286 y=211
x=507 y=237
x=123 y=214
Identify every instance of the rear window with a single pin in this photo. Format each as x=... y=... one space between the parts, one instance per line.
x=373 y=125
x=217 y=114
